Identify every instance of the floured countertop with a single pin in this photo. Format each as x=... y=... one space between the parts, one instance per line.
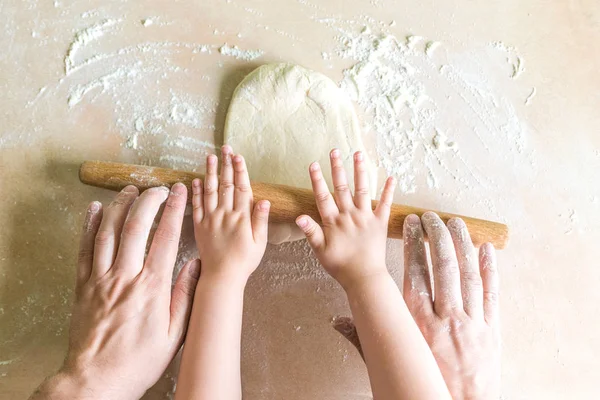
x=488 y=110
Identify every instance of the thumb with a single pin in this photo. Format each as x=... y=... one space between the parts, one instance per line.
x=345 y=326
x=312 y=231
x=182 y=298
x=260 y=221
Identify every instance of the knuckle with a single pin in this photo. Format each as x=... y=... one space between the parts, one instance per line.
x=342 y=188
x=133 y=227
x=491 y=297
x=472 y=279
x=85 y=255
x=448 y=264
x=226 y=184
x=322 y=197
x=104 y=237
x=243 y=188
x=210 y=188
x=166 y=235
x=362 y=191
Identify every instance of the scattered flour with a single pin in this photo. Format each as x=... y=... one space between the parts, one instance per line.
x=84 y=37
x=234 y=51
x=512 y=58
x=408 y=98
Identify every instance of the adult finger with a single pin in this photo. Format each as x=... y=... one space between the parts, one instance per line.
x=491 y=283
x=313 y=232
x=446 y=275
x=197 y=201
x=362 y=196
x=130 y=257
x=470 y=279
x=93 y=217
x=107 y=239
x=211 y=184
x=165 y=243
x=417 y=284
x=325 y=203
x=387 y=198
x=341 y=190
x=260 y=221
x=243 y=191
x=182 y=298
x=226 y=187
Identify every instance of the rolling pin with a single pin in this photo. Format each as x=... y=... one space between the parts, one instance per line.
x=287 y=203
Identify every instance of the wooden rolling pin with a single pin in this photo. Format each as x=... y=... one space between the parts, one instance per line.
x=287 y=202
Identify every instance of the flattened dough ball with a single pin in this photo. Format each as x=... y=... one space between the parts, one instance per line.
x=282 y=117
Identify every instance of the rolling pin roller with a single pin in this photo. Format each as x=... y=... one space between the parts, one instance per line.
x=287 y=202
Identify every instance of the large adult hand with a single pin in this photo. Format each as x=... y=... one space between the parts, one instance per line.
x=127 y=323
x=459 y=317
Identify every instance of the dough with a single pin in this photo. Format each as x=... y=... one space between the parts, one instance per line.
x=282 y=117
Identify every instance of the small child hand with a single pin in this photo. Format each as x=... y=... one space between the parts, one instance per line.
x=351 y=243
x=460 y=317
x=230 y=231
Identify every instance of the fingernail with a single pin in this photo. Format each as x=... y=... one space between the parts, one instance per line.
x=335 y=153
x=226 y=149
x=456 y=224
x=315 y=166
x=130 y=189
x=413 y=219
x=211 y=159
x=177 y=189
x=358 y=156
x=196 y=182
x=264 y=205
x=94 y=207
x=237 y=159
x=194 y=270
x=302 y=222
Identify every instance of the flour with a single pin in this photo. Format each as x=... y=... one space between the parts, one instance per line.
x=512 y=58
x=408 y=97
x=236 y=52
x=441 y=142
x=84 y=37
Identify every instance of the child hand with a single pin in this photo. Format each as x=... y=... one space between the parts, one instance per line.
x=351 y=243
x=460 y=321
x=231 y=232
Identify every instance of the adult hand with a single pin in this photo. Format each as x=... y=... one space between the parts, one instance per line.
x=460 y=318
x=127 y=322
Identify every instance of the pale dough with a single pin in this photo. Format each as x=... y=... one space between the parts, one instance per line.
x=283 y=117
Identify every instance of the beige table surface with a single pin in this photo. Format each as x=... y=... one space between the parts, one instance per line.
x=547 y=190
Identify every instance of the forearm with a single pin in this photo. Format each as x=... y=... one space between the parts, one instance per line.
x=210 y=366
x=399 y=361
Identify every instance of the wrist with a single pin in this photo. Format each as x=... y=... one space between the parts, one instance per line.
x=359 y=284
x=65 y=385
x=223 y=277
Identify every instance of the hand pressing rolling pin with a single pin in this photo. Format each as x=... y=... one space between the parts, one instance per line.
x=127 y=324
